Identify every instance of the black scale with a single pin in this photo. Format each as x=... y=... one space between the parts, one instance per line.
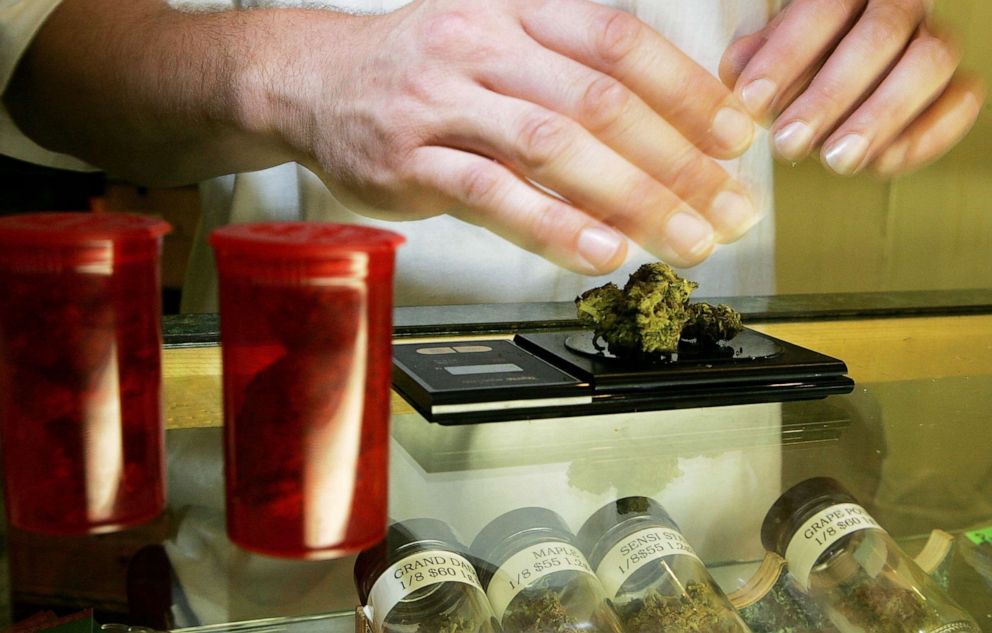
x=559 y=374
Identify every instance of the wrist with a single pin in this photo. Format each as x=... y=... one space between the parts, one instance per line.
x=290 y=65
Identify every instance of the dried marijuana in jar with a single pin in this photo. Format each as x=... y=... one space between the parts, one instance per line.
x=652 y=314
x=420 y=580
x=852 y=568
x=655 y=580
x=771 y=602
x=536 y=578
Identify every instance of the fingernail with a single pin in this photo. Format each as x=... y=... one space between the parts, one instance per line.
x=732 y=214
x=733 y=129
x=793 y=141
x=757 y=96
x=599 y=246
x=847 y=155
x=689 y=235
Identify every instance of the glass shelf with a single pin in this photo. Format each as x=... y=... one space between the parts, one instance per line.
x=911 y=442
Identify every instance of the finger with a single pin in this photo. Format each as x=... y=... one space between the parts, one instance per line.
x=852 y=70
x=935 y=131
x=665 y=78
x=616 y=116
x=741 y=51
x=806 y=32
x=557 y=153
x=915 y=82
x=488 y=194
x=737 y=56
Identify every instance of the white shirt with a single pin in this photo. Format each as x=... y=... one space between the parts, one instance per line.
x=466 y=253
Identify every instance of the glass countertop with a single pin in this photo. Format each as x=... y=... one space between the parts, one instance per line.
x=911 y=443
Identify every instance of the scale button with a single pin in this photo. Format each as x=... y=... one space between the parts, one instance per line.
x=472 y=349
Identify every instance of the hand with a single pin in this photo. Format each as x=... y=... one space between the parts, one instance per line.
x=482 y=109
x=870 y=82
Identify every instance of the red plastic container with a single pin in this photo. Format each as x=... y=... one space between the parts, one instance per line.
x=80 y=373
x=306 y=331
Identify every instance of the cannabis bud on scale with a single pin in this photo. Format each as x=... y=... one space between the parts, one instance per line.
x=652 y=313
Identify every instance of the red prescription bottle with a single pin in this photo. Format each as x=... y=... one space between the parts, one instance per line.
x=80 y=371
x=306 y=333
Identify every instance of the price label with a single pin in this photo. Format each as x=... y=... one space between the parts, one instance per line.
x=633 y=552
x=415 y=572
x=821 y=531
x=529 y=565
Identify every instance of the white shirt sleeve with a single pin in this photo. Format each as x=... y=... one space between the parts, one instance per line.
x=19 y=22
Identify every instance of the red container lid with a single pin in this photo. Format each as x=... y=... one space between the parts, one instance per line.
x=72 y=228
x=58 y=239
x=301 y=240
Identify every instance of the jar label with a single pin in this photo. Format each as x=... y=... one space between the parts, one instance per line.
x=821 y=531
x=980 y=536
x=530 y=565
x=414 y=572
x=637 y=550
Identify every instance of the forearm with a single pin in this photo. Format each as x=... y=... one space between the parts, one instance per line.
x=165 y=97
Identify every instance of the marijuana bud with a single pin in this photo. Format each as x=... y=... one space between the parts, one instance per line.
x=650 y=315
x=709 y=324
x=658 y=300
x=601 y=307
x=690 y=612
x=539 y=612
x=446 y=623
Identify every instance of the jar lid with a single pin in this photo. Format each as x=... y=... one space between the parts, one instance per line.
x=795 y=506
x=294 y=240
x=532 y=522
x=611 y=516
x=402 y=539
x=53 y=241
x=78 y=227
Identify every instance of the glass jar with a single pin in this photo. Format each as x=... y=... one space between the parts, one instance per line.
x=655 y=580
x=771 y=603
x=420 y=580
x=306 y=333
x=80 y=370
x=537 y=579
x=852 y=568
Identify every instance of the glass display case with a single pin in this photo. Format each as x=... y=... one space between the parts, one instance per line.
x=911 y=442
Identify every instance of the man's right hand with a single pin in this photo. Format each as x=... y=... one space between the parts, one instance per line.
x=481 y=109
x=477 y=109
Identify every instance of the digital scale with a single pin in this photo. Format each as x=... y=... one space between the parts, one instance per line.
x=559 y=374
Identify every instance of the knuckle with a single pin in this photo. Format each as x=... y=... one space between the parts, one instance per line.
x=827 y=9
x=479 y=185
x=545 y=225
x=643 y=197
x=888 y=22
x=603 y=103
x=617 y=34
x=543 y=137
x=828 y=93
x=450 y=34
x=684 y=96
x=937 y=52
x=686 y=170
